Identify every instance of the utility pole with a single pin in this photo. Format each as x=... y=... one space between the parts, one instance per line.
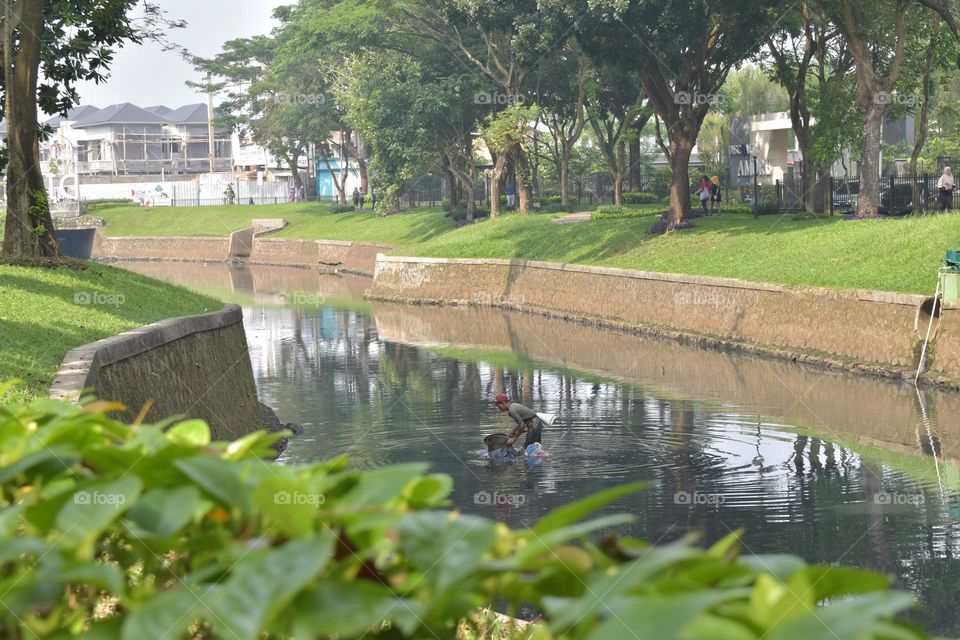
x=213 y=147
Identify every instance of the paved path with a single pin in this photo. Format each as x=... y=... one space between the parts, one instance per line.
x=571 y=218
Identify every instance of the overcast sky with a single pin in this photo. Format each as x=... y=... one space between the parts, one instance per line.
x=146 y=75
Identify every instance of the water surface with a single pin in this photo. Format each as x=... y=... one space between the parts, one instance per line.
x=831 y=467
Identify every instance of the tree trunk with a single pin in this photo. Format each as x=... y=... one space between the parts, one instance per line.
x=498 y=170
x=921 y=129
x=521 y=185
x=680 y=150
x=636 y=169
x=808 y=178
x=869 y=198
x=293 y=162
x=29 y=226
x=565 y=173
x=823 y=177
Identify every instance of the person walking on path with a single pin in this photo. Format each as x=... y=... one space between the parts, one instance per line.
x=704 y=190
x=356 y=198
x=373 y=199
x=362 y=198
x=715 y=194
x=510 y=195
x=945 y=186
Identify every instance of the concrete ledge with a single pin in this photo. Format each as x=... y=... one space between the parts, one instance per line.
x=352 y=257
x=205 y=248
x=196 y=366
x=865 y=331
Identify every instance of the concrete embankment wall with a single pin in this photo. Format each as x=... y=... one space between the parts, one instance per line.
x=868 y=331
x=162 y=248
x=250 y=244
x=346 y=256
x=197 y=366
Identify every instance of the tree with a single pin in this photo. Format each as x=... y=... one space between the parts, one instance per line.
x=794 y=51
x=561 y=93
x=875 y=31
x=682 y=53
x=63 y=42
x=616 y=113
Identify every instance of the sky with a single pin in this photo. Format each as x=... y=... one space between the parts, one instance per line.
x=146 y=75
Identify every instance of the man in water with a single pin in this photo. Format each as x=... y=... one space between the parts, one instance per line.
x=525 y=418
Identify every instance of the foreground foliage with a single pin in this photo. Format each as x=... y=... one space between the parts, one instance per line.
x=137 y=532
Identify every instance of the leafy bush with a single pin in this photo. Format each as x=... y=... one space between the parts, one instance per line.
x=341 y=207
x=639 y=197
x=126 y=532
x=609 y=211
x=100 y=204
x=661 y=181
x=548 y=200
x=738 y=209
x=555 y=207
x=460 y=213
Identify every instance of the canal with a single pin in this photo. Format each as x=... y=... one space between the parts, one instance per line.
x=825 y=465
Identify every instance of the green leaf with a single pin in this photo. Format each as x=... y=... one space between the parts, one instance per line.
x=192 y=433
x=162 y=512
x=263 y=584
x=376 y=487
x=105 y=576
x=780 y=566
x=447 y=548
x=287 y=505
x=342 y=608
x=660 y=616
x=605 y=590
x=858 y=618
x=219 y=478
x=430 y=491
x=254 y=445
x=165 y=616
x=578 y=510
x=831 y=582
x=59 y=459
x=93 y=508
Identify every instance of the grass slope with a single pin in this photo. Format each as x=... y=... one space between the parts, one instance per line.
x=306 y=220
x=45 y=312
x=892 y=255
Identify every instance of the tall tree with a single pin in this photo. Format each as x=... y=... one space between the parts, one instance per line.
x=875 y=31
x=48 y=47
x=682 y=52
x=561 y=93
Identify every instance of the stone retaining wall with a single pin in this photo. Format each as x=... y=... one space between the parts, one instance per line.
x=197 y=366
x=162 y=248
x=862 y=330
x=346 y=256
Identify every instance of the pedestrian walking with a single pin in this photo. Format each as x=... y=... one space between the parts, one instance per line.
x=373 y=199
x=362 y=198
x=703 y=191
x=356 y=198
x=945 y=186
x=511 y=195
x=715 y=194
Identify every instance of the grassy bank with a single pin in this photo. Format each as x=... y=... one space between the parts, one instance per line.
x=46 y=312
x=893 y=255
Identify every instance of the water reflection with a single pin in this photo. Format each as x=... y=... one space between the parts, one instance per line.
x=856 y=471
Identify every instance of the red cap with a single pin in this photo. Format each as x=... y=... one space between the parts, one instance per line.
x=501 y=397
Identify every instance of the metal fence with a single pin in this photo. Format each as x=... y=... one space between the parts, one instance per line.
x=899 y=194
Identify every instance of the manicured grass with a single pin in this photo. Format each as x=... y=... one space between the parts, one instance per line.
x=893 y=255
x=46 y=312
x=306 y=220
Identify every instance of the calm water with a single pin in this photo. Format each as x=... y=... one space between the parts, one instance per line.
x=835 y=469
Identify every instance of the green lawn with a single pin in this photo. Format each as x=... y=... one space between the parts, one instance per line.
x=46 y=312
x=893 y=255
x=306 y=220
